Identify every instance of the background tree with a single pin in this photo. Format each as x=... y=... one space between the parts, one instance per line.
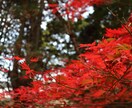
x=102 y=18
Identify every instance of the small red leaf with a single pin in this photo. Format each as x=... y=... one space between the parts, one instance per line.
x=29 y=72
x=121 y=92
x=25 y=66
x=53 y=5
x=34 y=59
x=3 y=70
x=17 y=58
x=98 y=93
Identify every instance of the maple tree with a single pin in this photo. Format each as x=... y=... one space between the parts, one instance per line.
x=101 y=76
x=22 y=31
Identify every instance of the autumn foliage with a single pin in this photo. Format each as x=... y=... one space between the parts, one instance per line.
x=75 y=8
x=100 y=77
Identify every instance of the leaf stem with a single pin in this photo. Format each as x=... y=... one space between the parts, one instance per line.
x=129 y=31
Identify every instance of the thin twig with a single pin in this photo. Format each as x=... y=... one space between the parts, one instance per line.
x=129 y=31
x=62 y=84
x=125 y=73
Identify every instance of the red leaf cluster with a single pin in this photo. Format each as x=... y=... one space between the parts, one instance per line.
x=101 y=76
x=75 y=8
